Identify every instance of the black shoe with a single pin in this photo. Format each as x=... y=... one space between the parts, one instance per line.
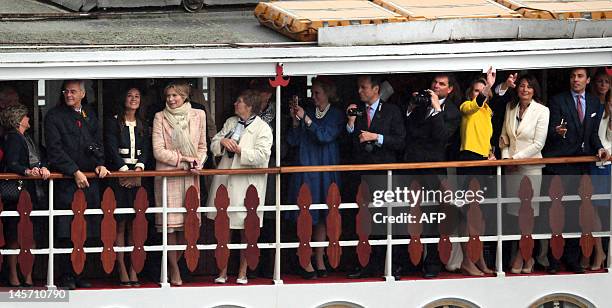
x=82 y=283
x=26 y=285
x=309 y=275
x=553 y=270
x=125 y=283
x=397 y=274
x=251 y=274
x=322 y=273
x=67 y=282
x=360 y=273
x=576 y=268
x=430 y=275
x=135 y=283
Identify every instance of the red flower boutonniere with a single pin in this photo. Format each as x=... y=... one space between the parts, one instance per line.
x=78 y=123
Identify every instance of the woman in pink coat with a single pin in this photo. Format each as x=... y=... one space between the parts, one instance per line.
x=179 y=142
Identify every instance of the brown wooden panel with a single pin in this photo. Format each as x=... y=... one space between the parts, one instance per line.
x=364 y=224
x=2 y=242
x=526 y=246
x=79 y=231
x=25 y=233
x=304 y=225
x=415 y=247
x=525 y=218
x=475 y=225
x=556 y=213
x=222 y=231
x=474 y=248
x=556 y=217
x=108 y=230
x=140 y=227
x=251 y=226
x=192 y=227
x=586 y=216
x=334 y=226
x=557 y=244
x=444 y=248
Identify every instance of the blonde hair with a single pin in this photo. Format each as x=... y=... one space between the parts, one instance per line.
x=183 y=89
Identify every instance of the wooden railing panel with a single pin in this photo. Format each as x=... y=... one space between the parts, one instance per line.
x=222 y=231
x=526 y=219
x=447 y=226
x=192 y=227
x=78 y=231
x=586 y=216
x=2 y=241
x=251 y=226
x=108 y=230
x=475 y=225
x=304 y=225
x=25 y=233
x=364 y=224
x=415 y=247
x=140 y=227
x=334 y=226
x=556 y=217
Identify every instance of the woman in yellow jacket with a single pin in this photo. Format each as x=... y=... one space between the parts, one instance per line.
x=476 y=131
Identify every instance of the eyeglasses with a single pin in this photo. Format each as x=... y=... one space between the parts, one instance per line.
x=73 y=92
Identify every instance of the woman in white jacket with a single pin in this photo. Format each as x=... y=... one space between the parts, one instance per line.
x=245 y=141
x=523 y=136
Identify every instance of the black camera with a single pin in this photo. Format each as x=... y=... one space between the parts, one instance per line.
x=354 y=112
x=95 y=150
x=422 y=98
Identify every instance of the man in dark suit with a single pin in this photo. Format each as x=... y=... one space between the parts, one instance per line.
x=74 y=146
x=574 y=123
x=376 y=136
x=429 y=129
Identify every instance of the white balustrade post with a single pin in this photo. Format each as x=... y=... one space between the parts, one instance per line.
x=277 y=191
x=389 y=254
x=164 y=270
x=498 y=259
x=50 y=264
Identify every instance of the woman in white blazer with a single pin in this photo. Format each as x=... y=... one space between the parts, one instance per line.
x=245 y=141
x=523 y=136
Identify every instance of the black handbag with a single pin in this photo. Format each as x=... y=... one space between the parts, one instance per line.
x=9 y=190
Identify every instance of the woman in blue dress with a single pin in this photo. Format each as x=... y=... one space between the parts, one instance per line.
x=315 y=134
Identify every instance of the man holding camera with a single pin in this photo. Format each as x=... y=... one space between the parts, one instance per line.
x=430 y=125
x=74 y=146
x=376 y=132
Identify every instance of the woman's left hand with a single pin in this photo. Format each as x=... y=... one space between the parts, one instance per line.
x=45 y=173
x=35 y=171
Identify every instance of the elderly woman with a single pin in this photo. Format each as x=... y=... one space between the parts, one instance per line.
x=601 y=172
x=476 y=131
x=243 y=142
x=315 y=135
x=21 y=156
x=127 y=142
x=179 y=142
x=523 y=136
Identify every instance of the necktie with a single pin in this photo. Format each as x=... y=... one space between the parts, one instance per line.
x=579 y=108
x=369 y=117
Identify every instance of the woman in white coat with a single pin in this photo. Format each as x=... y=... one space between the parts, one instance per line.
x=523 y=136
x=244 y=142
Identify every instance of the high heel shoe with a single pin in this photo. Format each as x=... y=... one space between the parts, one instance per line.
x=599 y=265
x=221 y=279
x=528 y=267
x=242 y=281
x=517 y=265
